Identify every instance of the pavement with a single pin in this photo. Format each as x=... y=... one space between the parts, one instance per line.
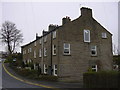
x=13 y=80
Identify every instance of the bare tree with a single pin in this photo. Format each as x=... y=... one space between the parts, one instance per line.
x=11 y=36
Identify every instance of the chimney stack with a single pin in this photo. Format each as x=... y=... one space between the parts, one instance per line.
x=37 y=36
x=51 y=27
x=66 y=20
x=87 y=12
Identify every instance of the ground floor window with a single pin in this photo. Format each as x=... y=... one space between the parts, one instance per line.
x=55 y=70
x=94 y=68
x=45 y=69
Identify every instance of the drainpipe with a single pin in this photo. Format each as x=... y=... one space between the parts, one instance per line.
x=51 y=53
x=42 y=54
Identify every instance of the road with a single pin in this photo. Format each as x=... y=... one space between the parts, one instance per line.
x=8 y=82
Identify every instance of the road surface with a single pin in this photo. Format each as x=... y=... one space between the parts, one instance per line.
x=8 y=82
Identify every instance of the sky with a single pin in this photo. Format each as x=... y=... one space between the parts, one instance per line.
x=34 y=17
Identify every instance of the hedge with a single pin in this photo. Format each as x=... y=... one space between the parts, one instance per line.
x=102 y=79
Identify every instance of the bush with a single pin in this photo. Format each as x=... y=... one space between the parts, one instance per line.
x=101 y=79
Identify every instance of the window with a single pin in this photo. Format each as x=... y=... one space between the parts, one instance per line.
x=45 y=52
x=54 y=34
x=40 y=53
x=66 y=49
x=93 y=50
x=94 y=68
x=45 y=38
x=55 y=70
x=34 y=54
x=54 y=49
x=86 y=35
x=34 y=43
x=40 y=41
x=30 y=50
x=25 y=51
x=104 y=35
x=45 y=69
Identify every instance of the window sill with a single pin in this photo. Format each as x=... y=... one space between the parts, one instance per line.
x=66 y=54
x=93 y=55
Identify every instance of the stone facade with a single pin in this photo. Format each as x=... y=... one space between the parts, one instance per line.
x=72 y=48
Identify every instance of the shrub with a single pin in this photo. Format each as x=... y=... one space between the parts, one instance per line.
x=102 y=79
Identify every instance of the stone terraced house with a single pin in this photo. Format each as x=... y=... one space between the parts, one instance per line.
x=71 y=49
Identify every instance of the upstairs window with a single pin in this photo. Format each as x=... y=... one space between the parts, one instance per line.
x=40 y=53
x=55 y=70
x=45 y=52
x=86 y=35
x=30 y=49
x=34 y=43
x=94 y=68
x=54 y=49
x=34 y=54
x=45 y=38
x=25 y=51
x=54 y=34
x=66 y=49
x=40 y=41
x=104 y=35
x=93 y=50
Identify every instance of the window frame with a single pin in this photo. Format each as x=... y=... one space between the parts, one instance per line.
x=35 y=43
x=66 y=48
x=95 y=49
x=40 y=52
x=45 y=38
x=34 y=54
x=88 y=41
x=54 y=70
x=54 y=34
x=54 y=50
x=45 y=69
x=96 y=68
x=104 y=35
x=45 y=52
x=40 y=41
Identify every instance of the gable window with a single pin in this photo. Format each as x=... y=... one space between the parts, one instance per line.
x=45 y=38
x=104 y=35
x=66 y=49
x=40 y=53
x=34 y=54
x=54 y=34
x=40 y=41
x=93 y=50
x=54 y=49
x=94 y=68
x=45 y=69
x=86 y=35
x=55 y=70
x=45 y=52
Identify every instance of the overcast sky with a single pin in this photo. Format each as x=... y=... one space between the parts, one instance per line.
x=33 y=17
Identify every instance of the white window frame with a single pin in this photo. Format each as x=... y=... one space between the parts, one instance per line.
x=34 y=54
x=54 y=70
x=25 y=51
x=54 y=49
x=40 y=53
x=45 y=38
x=66 y=48
x=104 y=35
x=95 y=49
x=35 y=43
x=45 y=52
x=30 y=49
x=40 y=41
x=45 y=69
x=88 y=31
x=54 y=34
x=96 y=68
